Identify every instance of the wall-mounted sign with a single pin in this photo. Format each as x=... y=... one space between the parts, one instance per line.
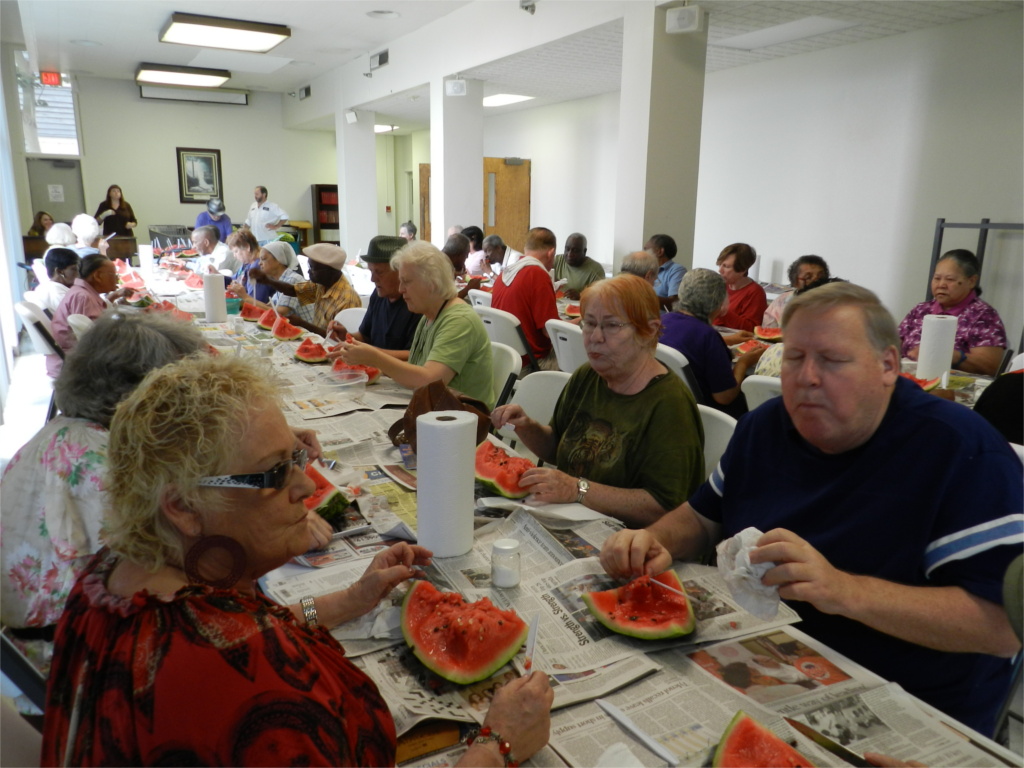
x=55 y=192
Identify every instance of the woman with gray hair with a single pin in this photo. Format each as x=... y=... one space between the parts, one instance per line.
x=88 y=232
x=450 y=344
x=703 y=299
x=60 y=235
x=53 y=491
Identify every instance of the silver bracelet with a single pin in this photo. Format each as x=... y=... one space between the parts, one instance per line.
x=309 y=611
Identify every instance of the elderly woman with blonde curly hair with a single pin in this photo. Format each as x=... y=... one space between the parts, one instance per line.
x=626 y=436
x=450 y=343
x=167 y=653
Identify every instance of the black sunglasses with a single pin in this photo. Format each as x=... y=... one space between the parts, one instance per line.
x=276 y=477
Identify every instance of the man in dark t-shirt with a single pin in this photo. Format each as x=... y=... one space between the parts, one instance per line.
x=388 y=324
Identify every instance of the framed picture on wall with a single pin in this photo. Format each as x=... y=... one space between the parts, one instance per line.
x=199 y=176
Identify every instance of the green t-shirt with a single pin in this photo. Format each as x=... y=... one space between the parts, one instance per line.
x=457 y=338
x=652 y=440
x=578 y=277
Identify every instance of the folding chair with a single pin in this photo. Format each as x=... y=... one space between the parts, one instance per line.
x=505 y=362
x=537 y=393
x=567 y=341
x=351 y=318
x=718 y=429
x=478 y=298
x=676 y=362
x=39 y=330
x=80 y=324
x=759 y=389
x=505 y=328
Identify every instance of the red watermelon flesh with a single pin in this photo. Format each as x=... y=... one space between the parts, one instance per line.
x=645 y=610
x=311 y=352
x=750 y=344
x=250 y=312
x=327 y=500
x=195 y=280
x=748 y=744
x=372 y=373
x=501 y=472
x=267 y=320
x=768 y=334
x=133 y=280
x=284 y=330
x=926 y=384
x=462 y=642
x=573 y=310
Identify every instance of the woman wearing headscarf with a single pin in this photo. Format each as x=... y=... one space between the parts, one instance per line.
x=278 y=263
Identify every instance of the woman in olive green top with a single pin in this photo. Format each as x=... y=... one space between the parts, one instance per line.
x=626 y=437
x=450 y=344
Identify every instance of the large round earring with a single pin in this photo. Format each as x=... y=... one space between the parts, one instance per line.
x=204 y=545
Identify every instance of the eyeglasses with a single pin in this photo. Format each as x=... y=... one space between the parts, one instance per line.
x=608 y=328
x=276 y=477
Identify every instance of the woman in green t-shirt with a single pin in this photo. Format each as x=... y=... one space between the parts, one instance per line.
x=450 y=343
x=626 y=436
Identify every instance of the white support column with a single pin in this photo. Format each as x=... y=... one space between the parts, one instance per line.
x=357 y=180
x=456 y=158
x=660 y=109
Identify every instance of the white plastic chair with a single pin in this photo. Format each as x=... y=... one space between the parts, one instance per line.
x=537 y=393
x=759 y=389
x=718 y=429
x=504 y=327
x=505 y=362
x=567 y=341
x=80 y=324
x=351 y=318
x=39 y=270
x=39 y=329
x=1019 y=449
x=478 y=298
x=676 y=362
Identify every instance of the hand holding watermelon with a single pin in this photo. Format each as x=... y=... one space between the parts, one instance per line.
x=320 y=531
x=389 y=568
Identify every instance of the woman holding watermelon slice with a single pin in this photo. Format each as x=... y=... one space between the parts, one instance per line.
x=168 y=654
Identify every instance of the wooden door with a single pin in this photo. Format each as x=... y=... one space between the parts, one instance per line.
x=424 y=230
x=507 y=199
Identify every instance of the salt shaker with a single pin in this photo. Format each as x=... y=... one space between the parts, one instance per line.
x=505 y=563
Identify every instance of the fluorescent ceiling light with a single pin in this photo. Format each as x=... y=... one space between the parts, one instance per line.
x=785 y=33
x=502 y=99
x=231 y=34
x=165 y=74
x=384 y=128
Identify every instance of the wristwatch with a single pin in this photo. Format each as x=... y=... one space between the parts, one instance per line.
x=582 y=486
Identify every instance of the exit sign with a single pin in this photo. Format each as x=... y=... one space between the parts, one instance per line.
x=49 y=78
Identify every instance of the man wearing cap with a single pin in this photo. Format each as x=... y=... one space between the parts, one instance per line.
x=388 y=324
x=264 y=217
x=327 y=288
x=214 y=216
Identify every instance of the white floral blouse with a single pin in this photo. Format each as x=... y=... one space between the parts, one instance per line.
x=52 y=496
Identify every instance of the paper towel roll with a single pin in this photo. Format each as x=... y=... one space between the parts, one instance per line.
x=213 y=295
x=445 y=471
x=146 y=261
x=935 y=355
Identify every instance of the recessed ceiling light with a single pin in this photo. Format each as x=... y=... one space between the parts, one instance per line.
x=503 y=99
x=785 y=33
x=384 y=128
x=165 y=74
x=86 y=43
x=229 y=34
x=383 y=14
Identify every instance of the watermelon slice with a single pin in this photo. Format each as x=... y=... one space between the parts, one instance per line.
x=140 y=300
x=133 y=280
x=501 y=472
x=311 y=352
x=284 y=330
x=748 y=744
x=768 y=334
x=645 y=610
x=195 y=280
x=122 y=267
x=267 y=319
x=573 y=310
x=327 y=500
x=926 y=384
x=372 y=373
x=750 y=344
x=250 y=312
x=462 y=642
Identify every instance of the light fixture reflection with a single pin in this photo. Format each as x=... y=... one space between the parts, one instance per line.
x=228 y=34
x=165 y=74
x=503 y=99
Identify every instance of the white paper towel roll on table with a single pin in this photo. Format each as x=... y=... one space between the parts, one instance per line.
x=213 y=295
x=146 y=260
x=935 y=355
x=445 y=472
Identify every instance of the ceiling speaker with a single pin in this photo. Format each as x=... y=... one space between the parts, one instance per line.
x=681 y=20
x=454 y=87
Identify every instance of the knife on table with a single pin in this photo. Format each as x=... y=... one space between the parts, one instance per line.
x=531 y=643
x=626 y=722
x=828 y=744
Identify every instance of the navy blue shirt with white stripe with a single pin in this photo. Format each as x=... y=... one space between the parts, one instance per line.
x=934 y=498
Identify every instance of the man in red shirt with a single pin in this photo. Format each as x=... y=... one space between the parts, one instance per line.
x=525 y=289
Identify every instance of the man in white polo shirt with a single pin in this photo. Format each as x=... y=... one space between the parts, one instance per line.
x=264 y=218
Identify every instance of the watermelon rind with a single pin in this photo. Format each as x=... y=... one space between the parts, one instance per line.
x=311 y=352
x=267 y=320
x=768 y=334
x=748 y=744
x=604 y=606
x=444 y=632
x=500 y=472
x=285 y=331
